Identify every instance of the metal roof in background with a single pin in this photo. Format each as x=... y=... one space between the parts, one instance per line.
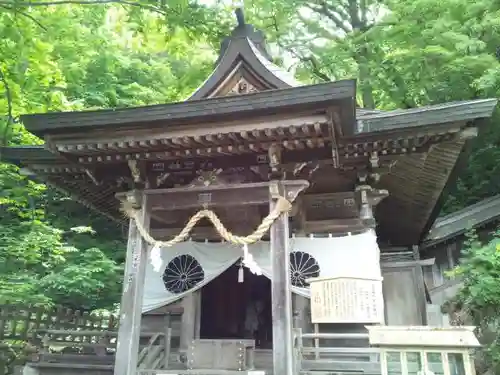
x=456 y=223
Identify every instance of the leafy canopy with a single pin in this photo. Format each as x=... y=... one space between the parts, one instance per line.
x=72 y=57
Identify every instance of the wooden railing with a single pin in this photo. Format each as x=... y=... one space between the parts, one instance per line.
x=19 y=322
x=97 y=349
x=156 y=354
x=20 y=327
x=334 y=357
x=99 y=343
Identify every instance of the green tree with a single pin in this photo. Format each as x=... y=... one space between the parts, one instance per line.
x=108 y=56
x=405 y=54
x=478 y=300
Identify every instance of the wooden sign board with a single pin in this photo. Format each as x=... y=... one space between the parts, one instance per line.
x=346 y=300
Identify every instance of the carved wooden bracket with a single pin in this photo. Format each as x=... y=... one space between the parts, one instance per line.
x=292 y=188
x=92 y=176
x=132 y=198
x=369 y=198
x=275 y=159
x=207 y=178
x=162 y=178
x=134 y=170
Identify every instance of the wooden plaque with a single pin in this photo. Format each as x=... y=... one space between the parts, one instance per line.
x=346 y=300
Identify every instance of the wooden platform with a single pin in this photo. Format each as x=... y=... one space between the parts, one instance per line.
x=339 y=361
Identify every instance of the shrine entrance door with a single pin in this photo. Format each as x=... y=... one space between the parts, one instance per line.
x=237 y=310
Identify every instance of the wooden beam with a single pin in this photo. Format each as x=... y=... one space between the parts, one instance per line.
x=209 y=196
x=223 y=161
x=200 y=233
x=132 y=295
x=344 y=198
x=408 y=263
x=333 y=226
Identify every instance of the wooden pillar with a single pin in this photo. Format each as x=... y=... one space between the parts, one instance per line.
x=301 y=311
x=197 y=321
x=127 y=349
x=420 y=285
x=281 y=291
x=188 y=322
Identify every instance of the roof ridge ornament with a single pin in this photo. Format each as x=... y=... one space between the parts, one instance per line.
x=240 y=16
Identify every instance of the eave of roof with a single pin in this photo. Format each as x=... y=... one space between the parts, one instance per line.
x=188 y=112
x=26 y=154
x=428 y=115
x=457 y=223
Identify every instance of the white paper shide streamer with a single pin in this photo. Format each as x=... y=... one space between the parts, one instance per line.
x=250 y=263
x=155 y=257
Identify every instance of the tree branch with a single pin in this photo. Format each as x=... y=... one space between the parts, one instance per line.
x=138 y=4
x=341 y=8
x=311 y=59
x=24 y=14
x=315 y=67
x=10 y=115
x=354 y=15
x=325 y=33
x=325 y=11
x=363 y=9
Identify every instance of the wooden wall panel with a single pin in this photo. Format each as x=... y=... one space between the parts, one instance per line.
x=401 y=296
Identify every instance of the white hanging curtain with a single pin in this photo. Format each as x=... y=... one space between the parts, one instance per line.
x=188 y=266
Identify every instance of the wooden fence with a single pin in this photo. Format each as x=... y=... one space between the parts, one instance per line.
x=20 y=323
x=22 y=327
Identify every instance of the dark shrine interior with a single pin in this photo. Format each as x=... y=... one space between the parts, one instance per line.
x=237 y=310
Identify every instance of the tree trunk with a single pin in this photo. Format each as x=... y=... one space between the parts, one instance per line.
x=362 y=59
x=359 y=24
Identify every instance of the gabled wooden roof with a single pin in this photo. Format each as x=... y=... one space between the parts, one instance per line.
x=226 y=108
x=244 y=56
x=247 y=104
x=416 y=182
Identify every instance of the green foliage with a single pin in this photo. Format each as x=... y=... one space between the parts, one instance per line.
x=480 y=271
x=85 y=280
x=63 y=57
x=405 y=53
x=479 y=297
x=38 y=267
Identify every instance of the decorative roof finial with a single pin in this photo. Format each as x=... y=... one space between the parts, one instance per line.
x=240 y=17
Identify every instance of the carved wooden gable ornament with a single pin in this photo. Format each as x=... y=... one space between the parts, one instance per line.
x=242 y=87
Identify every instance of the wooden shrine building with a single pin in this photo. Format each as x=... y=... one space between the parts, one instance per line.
x=249 y=139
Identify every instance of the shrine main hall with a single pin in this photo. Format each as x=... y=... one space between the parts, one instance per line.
x=259 y=206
